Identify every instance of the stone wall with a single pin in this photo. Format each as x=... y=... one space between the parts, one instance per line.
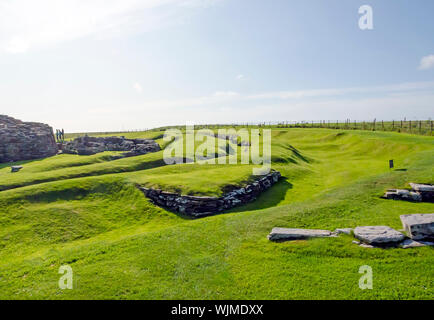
x=204 y=206
x=90 y=145
x=25 y=140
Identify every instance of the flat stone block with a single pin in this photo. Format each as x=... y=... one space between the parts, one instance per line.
x=378 y=235
x=419 y=226
x=409 y=243
x=16 y=168
x=364 y=245
x=344 y=231
x=422 y=187
x=281 y=234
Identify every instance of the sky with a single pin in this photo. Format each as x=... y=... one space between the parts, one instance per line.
x=110 y=65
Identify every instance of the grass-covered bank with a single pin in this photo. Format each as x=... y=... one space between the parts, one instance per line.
x=88 y=214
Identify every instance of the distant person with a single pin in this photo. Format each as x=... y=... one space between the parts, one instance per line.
x=63 y=135
x=57 y=135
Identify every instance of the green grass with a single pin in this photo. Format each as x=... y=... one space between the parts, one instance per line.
x=85 y=211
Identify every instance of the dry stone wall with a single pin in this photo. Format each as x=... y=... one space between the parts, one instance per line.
x=204 y=206
x=25 y=140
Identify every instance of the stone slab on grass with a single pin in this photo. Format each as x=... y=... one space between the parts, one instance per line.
x=16 y=168
x=344 y=231
x=402 y=194
x=409 y=243
x=286 y=234
x=425 y=190
x=422 y=187
x=378 y=235
x=364 y=245
x=419 y=226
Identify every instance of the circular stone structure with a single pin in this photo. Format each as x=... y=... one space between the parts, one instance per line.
x=25 y=140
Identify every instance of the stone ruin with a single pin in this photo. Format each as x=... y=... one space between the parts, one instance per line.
x=196 y=207
x=91 y=145
x=418 y=193
x=419 y=229
x=25 y=140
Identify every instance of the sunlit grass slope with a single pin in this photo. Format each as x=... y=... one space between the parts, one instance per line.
x=86 y=211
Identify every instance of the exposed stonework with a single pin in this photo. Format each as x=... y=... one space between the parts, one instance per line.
x=402 y=194
x=378 y=235
x=347 y=231
x=409 y=243
x=90 y=145
x=418 y=193
x=425 y=190
x=286 y=234
x=25 y=140
x=204 y=206
x=16 y=168
x=419 y=226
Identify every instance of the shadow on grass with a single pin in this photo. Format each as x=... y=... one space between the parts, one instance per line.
x=267 y=199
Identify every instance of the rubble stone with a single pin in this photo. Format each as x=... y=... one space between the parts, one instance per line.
x=282 y=234
x=419 y=226
x=378 y=235
x=344 y=231
x=90 y=145
x=409 y=243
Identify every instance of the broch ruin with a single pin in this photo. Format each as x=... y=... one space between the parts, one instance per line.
x=32 y=140
x=25 y=140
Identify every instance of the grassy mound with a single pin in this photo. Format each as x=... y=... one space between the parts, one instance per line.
x=85 y=211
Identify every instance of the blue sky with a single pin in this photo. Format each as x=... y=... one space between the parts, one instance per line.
x=91 y=65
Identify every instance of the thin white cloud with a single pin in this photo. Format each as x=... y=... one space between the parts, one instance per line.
x=402 y=87
x=427 y=62
x=236 y=100
x=240 y=76
x=138 y=87
x=226 y=94
x=25 y=24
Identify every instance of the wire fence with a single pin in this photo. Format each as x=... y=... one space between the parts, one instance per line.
x=421 y=127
